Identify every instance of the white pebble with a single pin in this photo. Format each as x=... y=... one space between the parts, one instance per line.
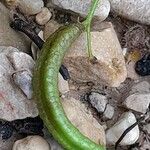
x=114 y=133
x=31 y=143
x=109 y=112
x=30 y=7
x=98 y=101
x=44 y=16
x=138 y=102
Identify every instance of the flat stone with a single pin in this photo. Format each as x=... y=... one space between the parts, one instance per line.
x=8 y=36
x=138 y=102
x=83 y=6
x=85 y=122
x=109 y=68
x=14 y=103
x=98 y=101
x=132 y=9
x=114 y=133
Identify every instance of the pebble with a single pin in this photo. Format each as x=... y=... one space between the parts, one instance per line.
x=98 y=101
x=109 y=112
x=29 y=7
x=44 y=16
x=31 y=143
x=8 y=36
x=83 y=6
x=138 y=102
x=132 y=9
x=114 y=133
x=14 y=103
x=79 y=116
x=141 y=87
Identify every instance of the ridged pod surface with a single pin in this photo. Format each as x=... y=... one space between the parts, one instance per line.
x=45 y=85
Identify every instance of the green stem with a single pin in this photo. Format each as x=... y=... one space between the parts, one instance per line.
x=87 y=25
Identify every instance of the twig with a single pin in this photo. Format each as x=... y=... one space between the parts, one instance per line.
x=22 y=26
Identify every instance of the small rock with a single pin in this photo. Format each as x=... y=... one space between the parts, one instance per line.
x=132 y=9
x=141 y=87
x=14 y=103
x=83 y=6
x=21 y=61
x=23 y=79
x=62 y=85
x=98 y=101
x=109 y=68
x=114 y=133
x=44 y=16
x=29 y=7
x=109 y=112
x=8 y=36
x=138 y=102
x=77 y=114
x=31 y=143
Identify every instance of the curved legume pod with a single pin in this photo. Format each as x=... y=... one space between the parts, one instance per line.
x=45 y=86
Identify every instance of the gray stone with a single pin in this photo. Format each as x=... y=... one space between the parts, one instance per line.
x=14 y=103
x=83 y=6
x=109 y=112
x=98 y=101
x=141 y=87
x=114 y=133
x=136 y=10
x=30 y=7
x=138 y=102
x=8 y=36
